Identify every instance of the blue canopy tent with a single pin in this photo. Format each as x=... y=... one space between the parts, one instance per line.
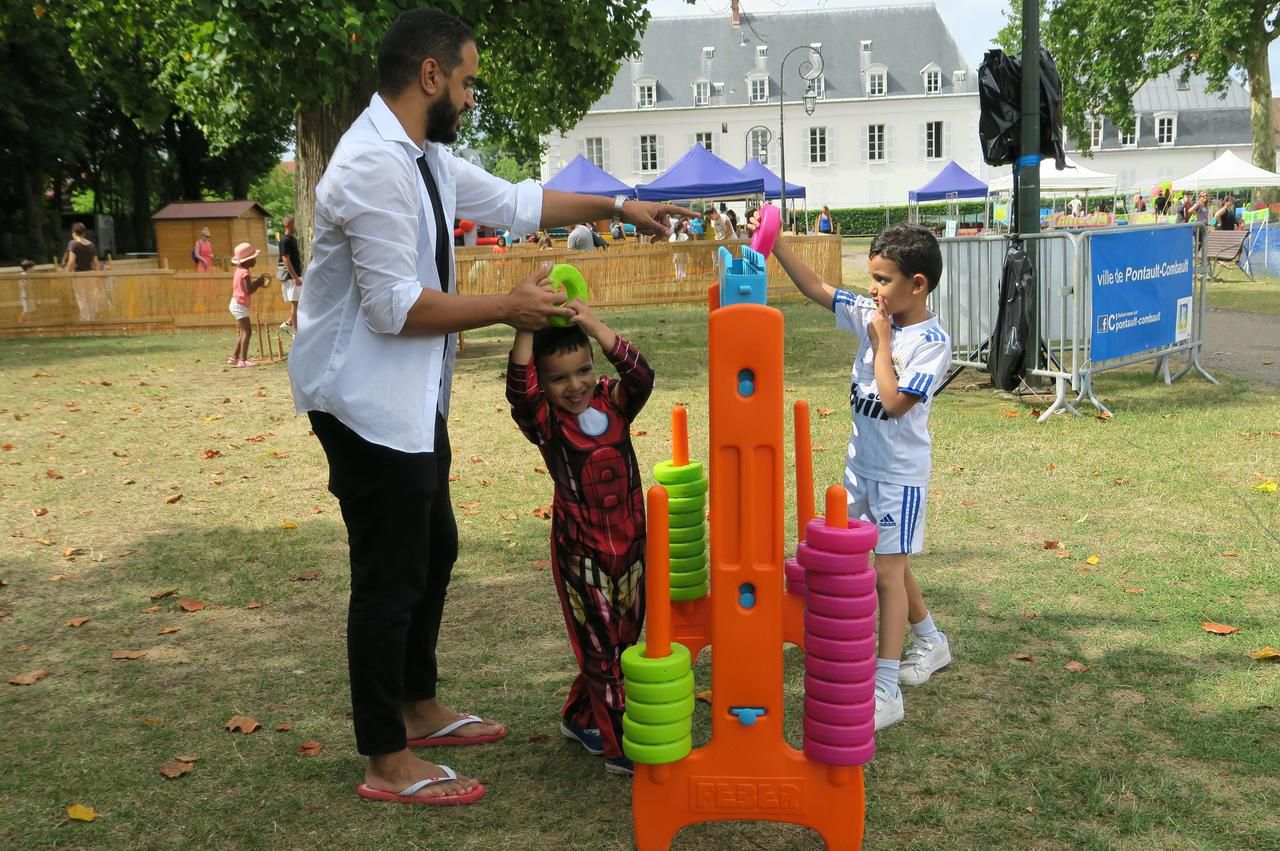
x=700 y=174
x=584 y=176
x=952 y=182
x=772 y=183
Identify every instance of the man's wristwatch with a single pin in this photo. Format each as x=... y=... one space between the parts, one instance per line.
x=618 y=201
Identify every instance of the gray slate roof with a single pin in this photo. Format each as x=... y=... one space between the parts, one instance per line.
x=904 y=38
x=1204 y=118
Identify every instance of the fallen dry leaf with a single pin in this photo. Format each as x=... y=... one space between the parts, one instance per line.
x=310 y=748
x=39 y=512
x=315 y=509
x=174 y=770
x=825 y=412
x=288 y=524
x=44 y=542
x=241 y=724
x=1218 y=628
x=77 y=621
x=469 y=505
x=1010 y=414
x=189 y=758
x=542 y=564
x=212 y=453
x=169 y=630
x=30 y=678
x=1076 y=667
x=284 y=727
x=52 y=474
x=148 y=720
x=128 y=655
x=172 y=499
x=968 y=503
x=705 y=696
x=254 y=605
x=128 y=480
x=1051 y=466
x=304 y=576
x=542 y=471
x=187 y=604
x=162 y=594
x=1134 y=590
x=1062 y=554
x=1028 y=615
x=80 y=812
x=58 y=577
x=1267 y=487
x=1093 y=559
x=1121 y=481
x=476 y=459
x=1053 y=545
x=150 y=610
x=538 y=739
x=1024 y=657
x=638 y=432
x=72 y=552
x=1230 y=554
x=1266 y=654
x=543 y=513
x=1104 y=415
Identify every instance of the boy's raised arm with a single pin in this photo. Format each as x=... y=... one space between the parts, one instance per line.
x=805 y=279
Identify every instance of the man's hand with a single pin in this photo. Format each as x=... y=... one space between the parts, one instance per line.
x=533 y=301
x=650 y=216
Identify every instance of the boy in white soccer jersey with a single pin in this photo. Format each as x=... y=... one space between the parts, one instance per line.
x=903 y=354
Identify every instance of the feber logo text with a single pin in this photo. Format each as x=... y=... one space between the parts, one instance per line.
x=737 y=794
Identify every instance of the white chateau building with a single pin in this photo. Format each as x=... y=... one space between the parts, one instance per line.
x=896 y=101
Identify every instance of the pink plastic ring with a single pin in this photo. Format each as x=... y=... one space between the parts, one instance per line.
x=839 y=650
x=829 y=692
x=831 y=755
x=841 y=607
x=791 y=567
x=833 y=585
x=838 y=628
x=767 y=231
x=859 y=537
x=826 y=561
x=796 y=586
x=841 y=735
x=841 y=671
x=840 y=713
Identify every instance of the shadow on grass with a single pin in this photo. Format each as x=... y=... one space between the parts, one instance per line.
x=45 y=351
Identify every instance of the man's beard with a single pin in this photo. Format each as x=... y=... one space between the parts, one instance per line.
x=442 y=121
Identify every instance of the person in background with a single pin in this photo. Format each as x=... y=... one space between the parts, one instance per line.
x=242 y=289
x=1225 y=217
x=82 y=256
x=202 y=252
x=25 y=304
x=1139 y=203
x=824 y=220
x=731 y=230
x=290 y=273
x=545 y=242
x=581 y=238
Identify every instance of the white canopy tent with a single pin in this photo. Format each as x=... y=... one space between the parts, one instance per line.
x=1073 y=178
x=1228 y=172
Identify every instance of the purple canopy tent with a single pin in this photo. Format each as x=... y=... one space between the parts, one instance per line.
x=700 y=174
x=772 y=183
x=584 y=176
x=952 y=182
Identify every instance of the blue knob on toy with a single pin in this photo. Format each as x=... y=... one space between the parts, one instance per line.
x=566 y=277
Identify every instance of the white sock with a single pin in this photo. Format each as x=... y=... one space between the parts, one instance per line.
x=927 y=630
x=887 y=675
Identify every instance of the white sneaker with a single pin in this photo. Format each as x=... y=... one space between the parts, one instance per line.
x=923 y=660
x=889 y=708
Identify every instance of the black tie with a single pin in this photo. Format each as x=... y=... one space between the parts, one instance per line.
x=443 y=238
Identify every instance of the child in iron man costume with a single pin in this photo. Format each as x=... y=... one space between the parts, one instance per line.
x=581 y=423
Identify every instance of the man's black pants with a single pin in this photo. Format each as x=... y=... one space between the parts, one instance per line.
x=404 y=541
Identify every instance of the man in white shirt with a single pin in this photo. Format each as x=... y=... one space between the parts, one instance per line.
x=374 y=367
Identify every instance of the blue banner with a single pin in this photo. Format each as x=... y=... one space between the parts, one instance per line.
x=1140 y=287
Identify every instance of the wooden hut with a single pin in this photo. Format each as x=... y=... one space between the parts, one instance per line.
x=229 y=222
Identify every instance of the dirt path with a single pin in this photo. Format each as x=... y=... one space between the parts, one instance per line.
x=1243 y=344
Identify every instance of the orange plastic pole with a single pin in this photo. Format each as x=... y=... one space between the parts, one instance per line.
x=837 y=507
x=804 y=469
x=657 y=644
x=679 y=436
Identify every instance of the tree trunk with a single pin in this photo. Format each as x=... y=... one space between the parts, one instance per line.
x=32 y=214
x=1264 y=141
x=139 y=177
x=318 y=132
x=191 y=153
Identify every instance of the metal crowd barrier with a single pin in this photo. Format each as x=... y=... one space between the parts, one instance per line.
x=967 y=304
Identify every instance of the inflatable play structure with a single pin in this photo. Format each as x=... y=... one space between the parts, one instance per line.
x=730 y=596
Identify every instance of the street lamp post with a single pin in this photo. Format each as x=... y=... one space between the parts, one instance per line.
x=746 y=142
x=810 y=70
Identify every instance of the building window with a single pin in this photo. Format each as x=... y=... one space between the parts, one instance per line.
x=760 y=90
x=876 y=84
x=875 y=143
x=818 y=146
x=594 y=151
x=1166 y=129
x=1184 y=85
x=932 y=82
x=708 y=53
x=646 y=95
x=1129 y=138
x=820 y=86
x=649 y=153
x=705 y=140
x=762 y=50
x=933 y=140
x=1095 y=133
x=701 y=93
x=760 y=145
x=959 y=76
x=866 y=45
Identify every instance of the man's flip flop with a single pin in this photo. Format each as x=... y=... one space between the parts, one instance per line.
x=409 y=795
x=443 y=737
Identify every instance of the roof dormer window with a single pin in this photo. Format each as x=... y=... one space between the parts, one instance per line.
x=866 y=45
x=959 y=76
x=762 y=50
x=708 y=53
x=701 y=92
x=646 y=93
x=876 y=80
x=931 y=76
x=759 y=89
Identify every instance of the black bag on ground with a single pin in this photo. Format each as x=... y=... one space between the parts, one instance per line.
x=1007 y=355
x=1000 y=99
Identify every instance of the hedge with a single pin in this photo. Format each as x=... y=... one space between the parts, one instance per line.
x=868 y=221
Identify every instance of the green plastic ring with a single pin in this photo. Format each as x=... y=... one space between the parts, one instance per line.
x=688 y=489
x=656 y=734
x=692 y=579
x=665 y=692
x=567 y=277
x=669 y=474
x=687 y=595
x=684 y=505
x=687 y=534
x=685 y=565
x=659 y=713
x=657 y=754
x=636 y=667
x=686 y=519
x=693 y=548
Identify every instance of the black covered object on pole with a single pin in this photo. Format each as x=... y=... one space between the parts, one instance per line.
x=1007 y=349
x=1000 y=101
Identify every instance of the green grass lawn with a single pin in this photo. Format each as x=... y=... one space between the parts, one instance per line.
x=1168 y=740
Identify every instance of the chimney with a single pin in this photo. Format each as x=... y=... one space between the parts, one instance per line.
x=737 y=15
